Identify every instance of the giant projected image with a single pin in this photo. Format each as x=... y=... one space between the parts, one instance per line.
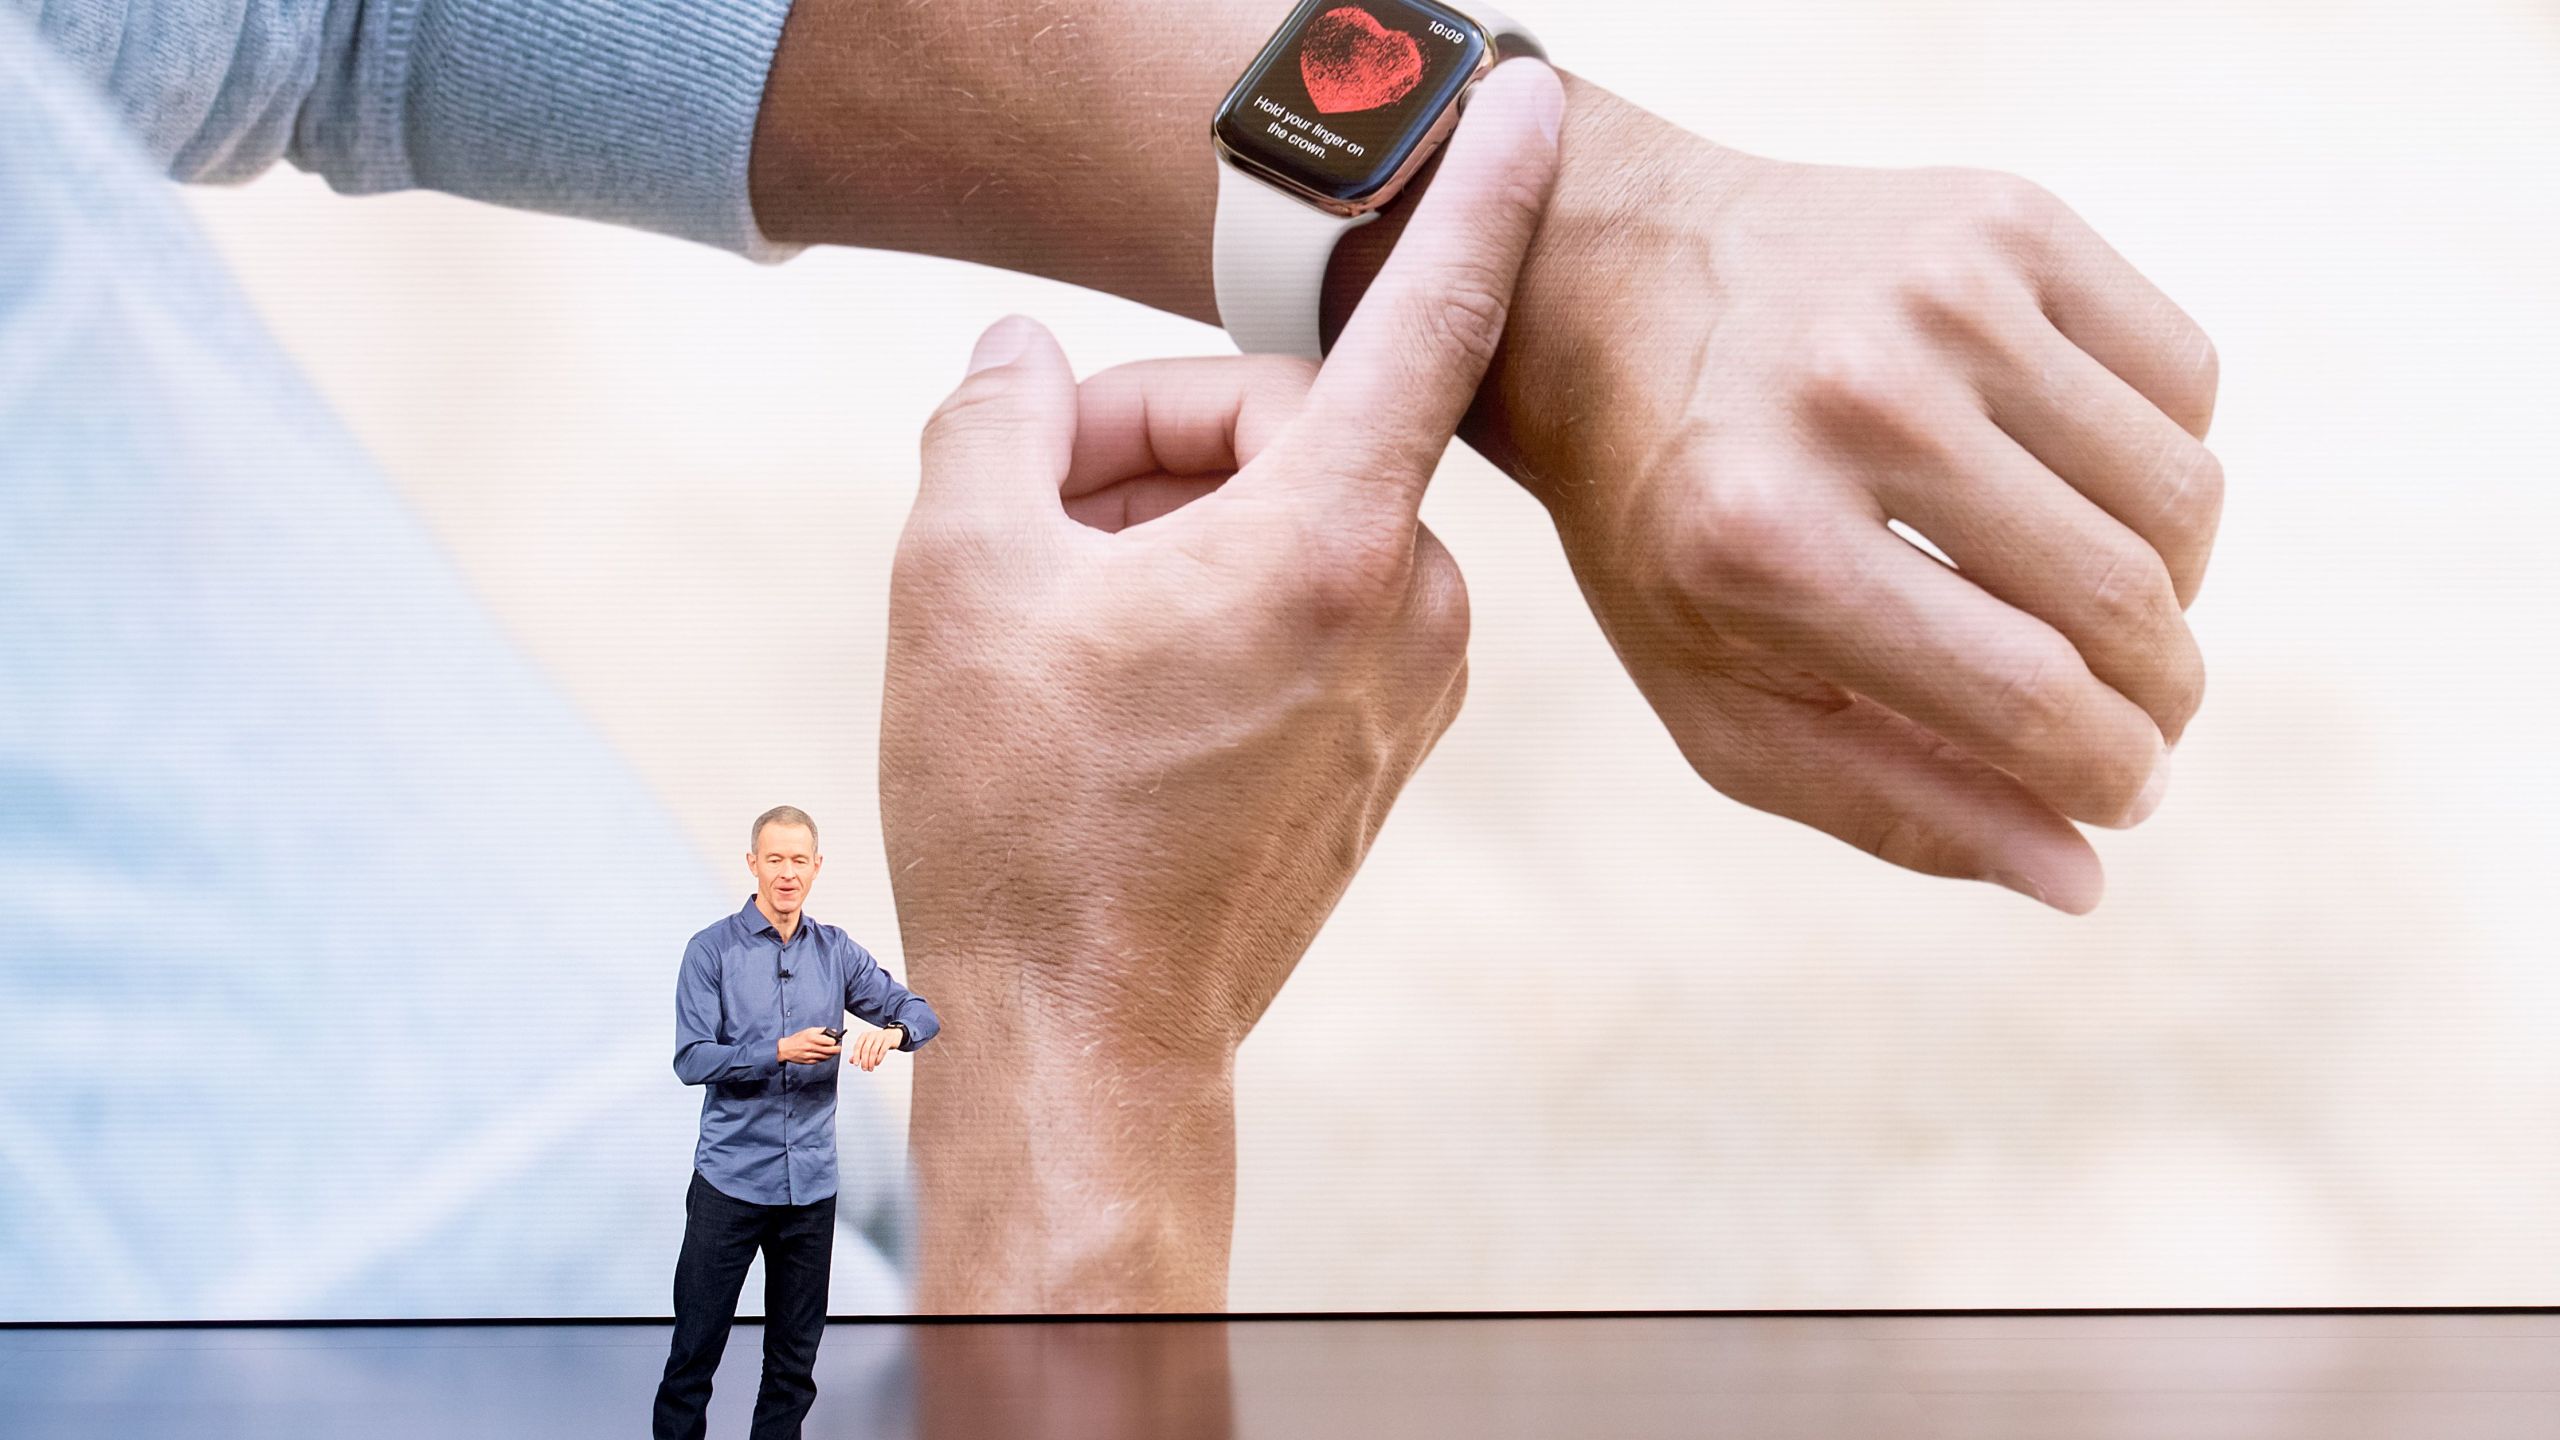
x=360 y=787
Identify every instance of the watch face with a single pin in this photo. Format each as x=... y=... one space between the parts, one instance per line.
x=1346 y=92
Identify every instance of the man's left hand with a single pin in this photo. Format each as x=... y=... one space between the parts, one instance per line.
x=874 y=1047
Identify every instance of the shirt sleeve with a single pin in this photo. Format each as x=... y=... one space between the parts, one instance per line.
x=638 y=112
x=701 y=1058
x=873 y=995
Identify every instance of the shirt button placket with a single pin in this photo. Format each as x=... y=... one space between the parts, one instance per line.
x=790 y=1091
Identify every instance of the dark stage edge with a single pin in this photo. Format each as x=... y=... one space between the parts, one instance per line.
x=2438 y=1375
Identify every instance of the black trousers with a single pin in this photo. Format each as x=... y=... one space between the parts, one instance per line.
x=721 y=1237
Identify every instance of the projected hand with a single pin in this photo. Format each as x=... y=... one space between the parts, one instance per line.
x=1163 y=650
x=1723 y=376
x=1727 y=374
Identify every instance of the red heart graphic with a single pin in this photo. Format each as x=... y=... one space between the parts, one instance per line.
x=1351 y=62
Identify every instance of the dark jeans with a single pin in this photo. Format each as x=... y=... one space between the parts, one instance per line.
x=721 y=1237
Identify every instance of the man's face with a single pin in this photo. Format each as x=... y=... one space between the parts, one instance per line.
x=785 y=862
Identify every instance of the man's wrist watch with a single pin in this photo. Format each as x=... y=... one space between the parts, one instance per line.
x=1328 y=125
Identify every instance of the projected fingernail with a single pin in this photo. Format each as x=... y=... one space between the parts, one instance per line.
x=2012 y=880
x=2153 y=792
x=1003 y=344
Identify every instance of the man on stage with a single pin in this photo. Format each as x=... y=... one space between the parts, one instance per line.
x=759 y=1007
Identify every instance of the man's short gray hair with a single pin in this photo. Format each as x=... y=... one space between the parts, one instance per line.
x=782 y=815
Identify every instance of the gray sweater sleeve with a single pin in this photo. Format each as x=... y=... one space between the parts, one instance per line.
x=638 y=112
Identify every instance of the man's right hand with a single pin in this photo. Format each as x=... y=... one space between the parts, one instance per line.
x=809 y=1047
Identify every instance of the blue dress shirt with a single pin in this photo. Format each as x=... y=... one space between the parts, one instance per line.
x=769 y=1129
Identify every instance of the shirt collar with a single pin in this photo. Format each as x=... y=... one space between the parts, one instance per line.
x=753 y=921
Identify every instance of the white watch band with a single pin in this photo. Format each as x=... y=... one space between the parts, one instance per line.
x=1271 y=249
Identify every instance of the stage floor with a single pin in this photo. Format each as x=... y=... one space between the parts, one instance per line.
x=2079 y=1377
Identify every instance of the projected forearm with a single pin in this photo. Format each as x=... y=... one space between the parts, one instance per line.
x=1164 y=648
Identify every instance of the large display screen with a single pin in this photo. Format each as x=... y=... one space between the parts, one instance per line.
x=1344 y=94
x=363 y=778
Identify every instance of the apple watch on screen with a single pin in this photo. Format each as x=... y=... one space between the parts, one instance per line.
x=1328 y=124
